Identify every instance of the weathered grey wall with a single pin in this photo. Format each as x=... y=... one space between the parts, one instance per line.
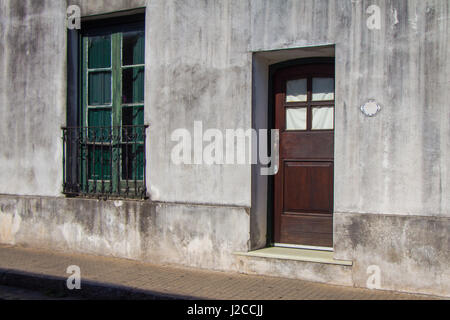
x=185 y=83
x=197 y=236
x=199 y=70
x=32 y=96
x=412 y=252
x=396 y=162
x=199 y=67
x=96 y=7
x=198 y=62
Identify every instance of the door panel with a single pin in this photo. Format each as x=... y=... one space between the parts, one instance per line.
x=307 y=230
x=314 y=145
x=308 y=187
x=303 y=187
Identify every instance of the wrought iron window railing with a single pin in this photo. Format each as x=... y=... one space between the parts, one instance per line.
x=104 y=162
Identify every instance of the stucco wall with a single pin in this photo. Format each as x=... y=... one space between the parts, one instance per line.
x=199 y=67
x=396 y=162
x=411 y=252
x=392 y=179
x=199 y=70
x=96 y=7
x=32 y=96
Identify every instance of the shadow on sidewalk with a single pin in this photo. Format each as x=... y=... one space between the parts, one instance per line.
x=57 y=287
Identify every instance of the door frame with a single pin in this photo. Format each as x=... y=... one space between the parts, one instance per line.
x=271 y=125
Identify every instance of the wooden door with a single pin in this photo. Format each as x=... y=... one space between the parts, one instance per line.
x=303 y=186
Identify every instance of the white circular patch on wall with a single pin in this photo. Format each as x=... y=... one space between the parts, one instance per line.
x=370 y=108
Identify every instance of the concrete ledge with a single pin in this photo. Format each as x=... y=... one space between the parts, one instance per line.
x=296 y=254
x=286 y=266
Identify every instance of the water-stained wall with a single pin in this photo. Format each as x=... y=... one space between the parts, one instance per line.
x=390 y=170
x=32 y=96
x=199 y=64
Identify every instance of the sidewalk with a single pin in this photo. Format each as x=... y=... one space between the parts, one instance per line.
x=106 y=278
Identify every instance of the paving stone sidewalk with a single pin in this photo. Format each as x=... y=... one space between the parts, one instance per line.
x=116 y=278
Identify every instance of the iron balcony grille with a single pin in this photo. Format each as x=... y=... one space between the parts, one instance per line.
x=105 y=162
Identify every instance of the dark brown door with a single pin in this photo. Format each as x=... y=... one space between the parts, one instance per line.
x=303 y=199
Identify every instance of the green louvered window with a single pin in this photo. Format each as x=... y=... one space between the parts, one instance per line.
x=112 y=113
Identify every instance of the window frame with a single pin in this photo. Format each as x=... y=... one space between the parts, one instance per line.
x=76 y=173
x=309 y=104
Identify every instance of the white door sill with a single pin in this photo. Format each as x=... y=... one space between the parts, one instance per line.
x=305 y=255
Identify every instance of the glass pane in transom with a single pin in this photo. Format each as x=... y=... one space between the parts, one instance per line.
x=322 y=89
x=296 y=90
